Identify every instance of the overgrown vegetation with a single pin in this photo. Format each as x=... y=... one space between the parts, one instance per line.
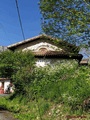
x=50 y=93
x=66 y=19
x=11 y=62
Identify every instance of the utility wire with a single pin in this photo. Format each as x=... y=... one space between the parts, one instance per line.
x=20 y=19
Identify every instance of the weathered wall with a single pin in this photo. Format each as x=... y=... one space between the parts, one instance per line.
x=46 y=45
x=6 y=83
x=41 y=62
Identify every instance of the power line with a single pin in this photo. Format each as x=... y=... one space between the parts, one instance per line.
x=20 y=19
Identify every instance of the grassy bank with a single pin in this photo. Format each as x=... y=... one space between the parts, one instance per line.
x=54 y=93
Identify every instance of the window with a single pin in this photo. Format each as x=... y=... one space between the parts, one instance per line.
x=43 y=49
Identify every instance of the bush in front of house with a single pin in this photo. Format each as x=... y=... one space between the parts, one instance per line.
x=65 y=83
x=18 y=64
x=12 y=62
x=50 y=92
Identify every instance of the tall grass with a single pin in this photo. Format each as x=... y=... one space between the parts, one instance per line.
x=67 y=83
x=52 y=92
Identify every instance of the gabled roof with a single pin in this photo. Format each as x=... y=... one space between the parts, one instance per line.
x=69 y=51
x=25 y=41
x=60 y=43
x=57 y=54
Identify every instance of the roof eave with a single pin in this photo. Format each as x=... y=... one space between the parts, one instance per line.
x=65 y=56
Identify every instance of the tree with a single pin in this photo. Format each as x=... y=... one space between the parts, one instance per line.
x=6 y=64
x=66 y=19
x=18 y=66
x=11 y=62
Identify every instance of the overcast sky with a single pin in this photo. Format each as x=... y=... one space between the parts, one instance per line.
x=10 y=31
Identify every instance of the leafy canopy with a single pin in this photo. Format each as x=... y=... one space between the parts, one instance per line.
x=12 y=62
x=66 y=19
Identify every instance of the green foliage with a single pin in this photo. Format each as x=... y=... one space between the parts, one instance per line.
x=39 y=91
x=51 y=92
x=6 y=64
x=62 y=83
x=17 y=67
x=65 y=83
x=23 y=59
x=66 y=18
x=22 y=80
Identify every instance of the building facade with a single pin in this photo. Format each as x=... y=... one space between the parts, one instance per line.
x=47 y=50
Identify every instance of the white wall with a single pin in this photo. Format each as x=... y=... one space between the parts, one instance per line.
x=0 y=84
x=43 y=62
x=52 y=62
x=6 y=83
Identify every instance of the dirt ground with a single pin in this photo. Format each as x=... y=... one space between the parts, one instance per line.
x=5 y=115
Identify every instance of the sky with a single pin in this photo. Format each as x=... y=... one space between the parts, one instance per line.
x=10 y=30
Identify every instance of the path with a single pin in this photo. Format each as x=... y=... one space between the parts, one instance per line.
x=5 y=115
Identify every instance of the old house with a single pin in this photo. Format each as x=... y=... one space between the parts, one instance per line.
x=48 y=50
